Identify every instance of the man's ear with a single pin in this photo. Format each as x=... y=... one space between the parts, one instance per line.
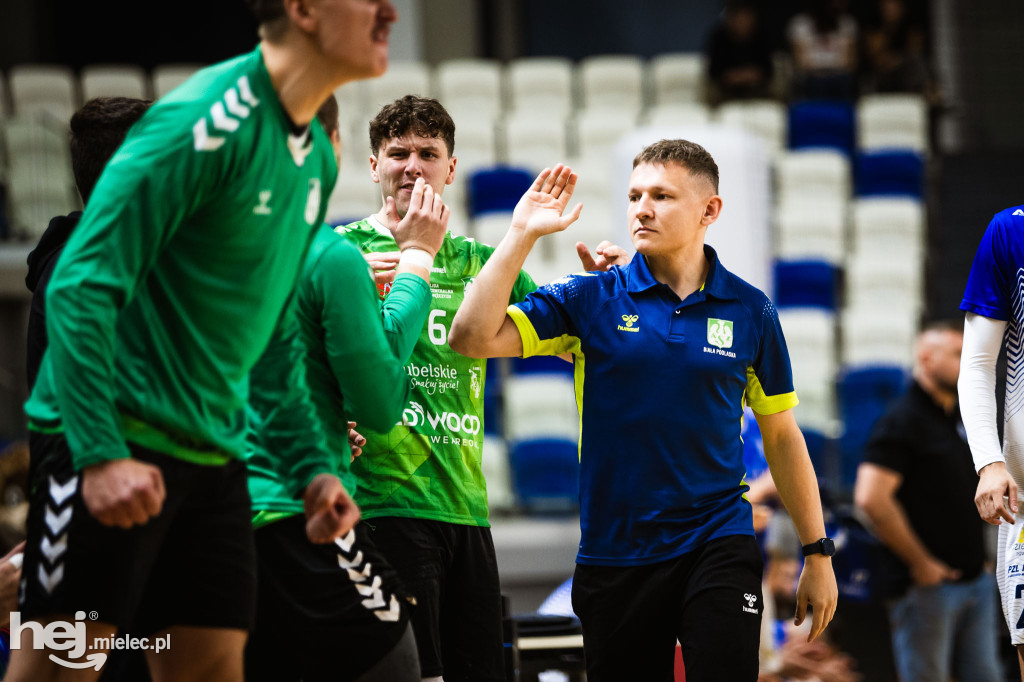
x=712 y=210
x=374 y=175
x=451 y=170
x=300 y=14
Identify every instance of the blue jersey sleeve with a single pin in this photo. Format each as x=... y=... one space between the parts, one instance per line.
x=770 y=375
x=549 y=318
x=996 y=268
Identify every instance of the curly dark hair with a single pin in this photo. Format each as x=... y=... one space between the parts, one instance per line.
x=688 y=154
x=97 y=130
x=413 y=114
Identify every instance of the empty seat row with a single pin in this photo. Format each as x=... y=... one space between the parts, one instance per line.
x=55 y=90
x=554 y=85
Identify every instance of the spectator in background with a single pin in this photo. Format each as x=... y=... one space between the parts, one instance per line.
x=894 y=52
x=916 y=485
x=739 y=55
x=823 y=40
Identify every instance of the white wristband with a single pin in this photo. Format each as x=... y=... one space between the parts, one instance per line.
x=417 y=257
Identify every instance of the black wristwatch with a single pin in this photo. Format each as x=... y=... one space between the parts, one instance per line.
x=823 y=546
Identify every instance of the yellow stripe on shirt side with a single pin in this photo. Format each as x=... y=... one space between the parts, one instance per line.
x=533 y=345
x=767 y=404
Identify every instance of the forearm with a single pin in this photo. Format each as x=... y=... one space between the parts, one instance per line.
x=482 y=314
x=80 y=326
x=977 y=387
x=404 y=312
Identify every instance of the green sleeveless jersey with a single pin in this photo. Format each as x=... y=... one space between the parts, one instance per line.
x=172 y=284
x=428 y=465
x=353 y=352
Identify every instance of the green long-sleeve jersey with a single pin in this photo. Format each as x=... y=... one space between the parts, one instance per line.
x=172 y=284
x=354 y=352
x=428 y=465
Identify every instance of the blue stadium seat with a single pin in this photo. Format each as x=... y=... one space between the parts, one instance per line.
x=864 y=393
x=546 y=474
x=805 y=283
x=493 y=422
x=822 y=124
x=497 y=189
x=824 y=452
x=889 y=173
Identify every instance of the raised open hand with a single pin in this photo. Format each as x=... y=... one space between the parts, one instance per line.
x=539 y=211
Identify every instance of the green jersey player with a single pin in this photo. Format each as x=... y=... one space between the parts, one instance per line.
x=164 y=298
x=420 y=485
x=316 y=600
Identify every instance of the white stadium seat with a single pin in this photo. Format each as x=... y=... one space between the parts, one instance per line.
x=892 y=121
x=884 y=225
x=43 y=89
x=540 y=406
x=884 y=280
x=878 y=336
x=534 y=139
x=812 y=173
x=677 y=78
x=764 y=118
x=615 y=81
x=811 y=338
x=811 y=228
x=114 y=80
x=166 y=77
x=599 y=130
x=474 y=84
x=401 y=79
x=541 y=84
x=678 y=114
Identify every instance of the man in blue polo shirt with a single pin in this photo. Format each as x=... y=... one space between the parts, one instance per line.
x=667 y=350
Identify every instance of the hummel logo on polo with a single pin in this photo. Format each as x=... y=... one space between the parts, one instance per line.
x=1018 y=212
x=751 y=600
x=629 y=320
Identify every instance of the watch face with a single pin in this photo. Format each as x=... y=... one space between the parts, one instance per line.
x=828 y=547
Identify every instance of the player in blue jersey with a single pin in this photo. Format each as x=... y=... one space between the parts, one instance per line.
x=667 y=350
x=994 y=308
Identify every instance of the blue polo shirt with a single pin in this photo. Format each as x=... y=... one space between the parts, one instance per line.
x=660 y=385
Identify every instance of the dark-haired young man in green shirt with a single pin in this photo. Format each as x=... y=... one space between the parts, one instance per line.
x=420 y=485
x=163 y=300
x=331 y=611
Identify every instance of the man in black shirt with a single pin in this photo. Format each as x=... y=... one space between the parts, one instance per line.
x=916 y=485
